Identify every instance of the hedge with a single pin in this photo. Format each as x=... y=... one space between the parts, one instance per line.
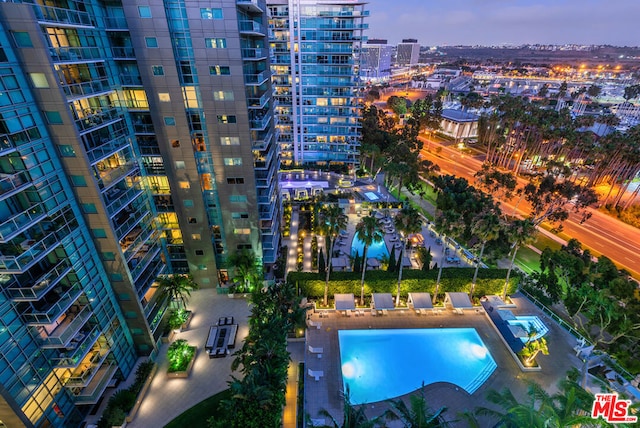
x=490 y=281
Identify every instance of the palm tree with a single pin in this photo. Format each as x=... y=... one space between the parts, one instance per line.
x=332 y=221
x=368 y=232
x=246 y=269
x=521 y=232
x=177 y=288
x=407 y=222
x=354 y=416
x=418 y=415
x=486 y=226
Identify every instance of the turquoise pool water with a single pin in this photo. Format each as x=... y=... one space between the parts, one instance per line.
x=375 y=250
x=382 y=364
x=526 y=322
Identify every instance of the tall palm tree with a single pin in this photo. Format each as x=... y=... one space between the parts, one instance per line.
x=367 y=231
x=177 y=288
x=246 y=269
x=447 y=222
x=418 y=415
x=353 y=416
x=407 y=222
x=521 y=232
x=486 y=226
x=332 y=221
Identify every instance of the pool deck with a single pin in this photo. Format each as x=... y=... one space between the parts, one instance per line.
x=325 y=393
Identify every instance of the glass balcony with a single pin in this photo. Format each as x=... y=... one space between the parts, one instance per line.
x=264 y=161
x=91 y=393
x=257 y=79
x=117 y=198
x=251 y=28
x=116 y=23
x=107 y=147
x=156 y=268
x=125 y=221
x=33 y=251
x=87 y=369
x=260 y=121
x=72 y=356
x=113 y=175
x=255 y=54
x=92 y=117
x=19 y=222
x=123 y=53
x=87 y=89
x=60 y=332
x=41 y=285
x=263 y=143
x=142 y=259
x=13 y=183
x=253 y=6
x=258 y=102
x=130 y=80
x=53 y=305
x=75 y=54
x=62 y=17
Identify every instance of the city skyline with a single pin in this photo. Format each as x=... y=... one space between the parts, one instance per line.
x=498 y=22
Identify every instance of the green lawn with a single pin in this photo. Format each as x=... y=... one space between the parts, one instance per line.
x=528 y=260
x=198 y=414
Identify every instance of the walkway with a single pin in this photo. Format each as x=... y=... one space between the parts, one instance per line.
x=168 y=398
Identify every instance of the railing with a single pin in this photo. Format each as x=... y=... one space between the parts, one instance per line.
x=74 y=54
x=86 y=89
x=118 y=23
x=246 y=26
x=123 y=53
x=16 y=264
x=255 y=53
x=12 y=182
x=21 y=221
x=118 y=198
x=133 y=219
x=114 y=175
x=93 y=117
x=107 y=148
x=131 y=79
x=42 y=284
x=251 y=4
x=90 y=371
x=258 y=102
x=143 y=128
x=62 y=16
x=257 y=79
x=72 y=358
x=259 y=123
x=51 y=313
x=91 y=394
x=63 y=334
x=141 y=263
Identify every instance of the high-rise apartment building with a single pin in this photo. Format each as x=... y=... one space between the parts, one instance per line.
x=315 y=64
x=376 y=60
x=408 y=52
x=136 y=139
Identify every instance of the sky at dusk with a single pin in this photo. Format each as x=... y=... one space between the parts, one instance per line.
x=490 y=22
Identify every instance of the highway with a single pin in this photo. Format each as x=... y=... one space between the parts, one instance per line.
x=602 y=234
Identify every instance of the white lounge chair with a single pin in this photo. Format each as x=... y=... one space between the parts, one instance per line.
x=318 y=351
x=317 y=325
x=316 y=374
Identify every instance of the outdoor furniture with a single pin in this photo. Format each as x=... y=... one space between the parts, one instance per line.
x=318 y=351
x=316 y=374
x=232 y=336
x=213 y=331
x=317 y=325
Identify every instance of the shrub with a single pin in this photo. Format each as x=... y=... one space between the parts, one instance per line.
x=111 y=418
x=124 y=399
x=180 y=355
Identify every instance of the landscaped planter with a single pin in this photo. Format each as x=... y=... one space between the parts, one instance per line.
x=181 y=358
x=132 y=414
x=169 y=337
x=185 y=324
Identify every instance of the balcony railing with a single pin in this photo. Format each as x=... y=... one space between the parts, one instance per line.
x=75 y=54
x=90 y=369
x=42 y=285
x=87 y=89
x=107 y=148
x=251 y=27
x=258 y=123
x=93 y=117
x=250 y=5
x=21 y=221
x=92 y=392
x=257 y=79
x=113 y=175
x=12 y=183
x=61 y=16
x=54 y=310
x=115 y=23
x=123 y=53
x=33 y=251
x=67 y=329
x=254 y=54
x=72 y=357
x=258 y=102
x=118 y=198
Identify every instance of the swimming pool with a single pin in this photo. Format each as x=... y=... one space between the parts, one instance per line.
x=371 y=196
x=375 y=250
x=382 y=364
x=527 y=322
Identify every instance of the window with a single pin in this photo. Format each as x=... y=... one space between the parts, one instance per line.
x=175 y=143
x=244 y=246
x=226 y=118
x=192 y=220
x=188 y=203
x=53 y=117
x=219 y=70
x=78 y=180
x=199 y=252
x=164 y=97
x=39 y=80
x=242 y=231
x=89 y=208
x=235 y=180
x=157 y=70
x=144 y=11
x=215 y=43
x=238 y=216
x=23 y=39
x=184 y=184
x=99 y=233
x=196 y=236
x=230 y=141
x=170 y=121
x=66 y=151
x=233 y=161
x=151 y=42
x=237 y=198
x=180 y=165
x=210 y=13
x=108 y=256
x=223 y=95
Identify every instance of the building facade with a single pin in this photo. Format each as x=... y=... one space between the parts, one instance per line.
x=136 y=140
x=407 y=52
x=376 y=60
x=315 y=64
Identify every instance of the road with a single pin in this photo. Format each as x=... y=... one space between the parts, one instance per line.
x=601 y=233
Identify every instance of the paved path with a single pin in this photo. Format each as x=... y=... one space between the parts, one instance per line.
x=168 y=398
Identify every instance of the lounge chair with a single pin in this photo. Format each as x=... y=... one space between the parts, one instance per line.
x=317 y=325
x=316 y=374
x=318 y=351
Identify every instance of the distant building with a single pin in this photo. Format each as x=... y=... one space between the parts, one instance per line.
x=408 y=52
x=376 y=60
x=458 y=124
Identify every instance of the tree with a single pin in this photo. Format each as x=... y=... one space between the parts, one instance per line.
x=176 y=288
x=425 y=257
x=407 y=222
x=392 y=261
x=353 y=416
x=487 y=227
x=520 y=232
x=322 y=264
x=397 y=104
x=332 y=221
x=533 y=346
x=594 y=90
x=368 y=232
x=418 y=415
x=247 y=272
x=631 y=92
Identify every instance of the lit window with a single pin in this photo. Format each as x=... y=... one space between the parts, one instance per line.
x=180 y=165
x=151 y=42
x=144 y=11
x=39 y=80
x=233 y=161
x=170 y=121
x=195 y=236
x=184 y=185
x=241 y=231
x=219 y=70
x=210 y=13
x=164 y=97
x=215 y=43
x=223 y=95
x=230 y=141
x=226 y=119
